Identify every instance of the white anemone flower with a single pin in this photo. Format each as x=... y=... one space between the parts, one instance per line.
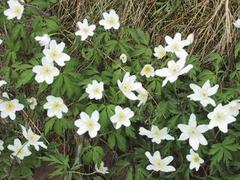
x=110 y=20
x=159 y=164
x=1 y=41
x=176 y=45
x=1 y=145
x=148 y=71
x=2 y=83
x=19 y=150
x=159 y=52
x=202 y=94
x=122 y=117
x=193 y=133
x=101 y=168
x=95 y=90
x=10 y=107
x=45 y=72
x=43 y=40
x=15 y=9
x=220 y=117
x=32 y=102
x=55 y=53
x=32 y=138
x=156 y=134
x=129 y=85
x=142 y=96
x=195 y=160
x=88 y=124
x=123 y=58
x=233 y=107
x=237 y=23
x=55 y=107
x=173 y=71
x=85 y=30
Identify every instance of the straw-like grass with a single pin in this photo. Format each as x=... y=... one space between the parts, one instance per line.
x=210 y=20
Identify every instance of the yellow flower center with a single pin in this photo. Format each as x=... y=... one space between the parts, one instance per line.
x=160 y=163
x=85 y=29
x=46 y=70
x=148 y=70
x=126 y=86
x=196 y=159
x=10 y=106
x=204 y=94
x=54 y=54
x=193 y=132
x=175 y=70
x=96 y=90
x=90 y=124
x=156 y=132
x=32 y=137
x=162 y=53
x=17 y=10
x=20 y=151
x=175 y=47
x=219 y=116
x=56 y=106
x=121 y=117
x=111 y=21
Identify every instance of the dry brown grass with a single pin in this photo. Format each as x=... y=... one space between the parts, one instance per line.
x=210 y=20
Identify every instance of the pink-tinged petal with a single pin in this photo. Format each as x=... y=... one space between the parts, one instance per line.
x=127 y=123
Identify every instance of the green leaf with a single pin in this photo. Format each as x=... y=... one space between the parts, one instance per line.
x=121 y=141
x=111 y=141
x=98 y=154
x=49 y=125
x=25 y=78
